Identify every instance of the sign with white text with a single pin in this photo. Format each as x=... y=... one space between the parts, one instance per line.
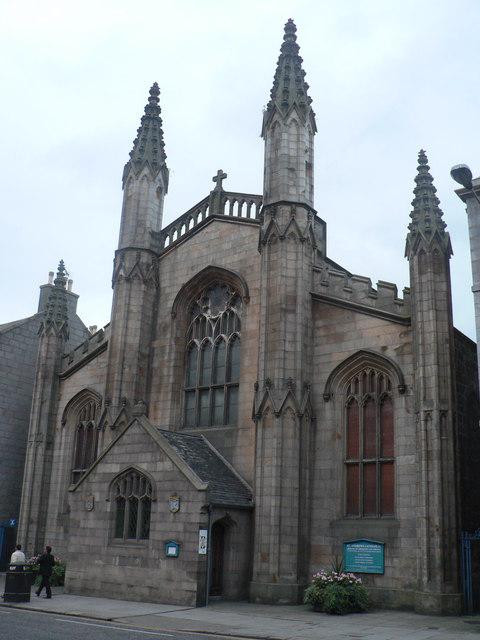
x=364 y=556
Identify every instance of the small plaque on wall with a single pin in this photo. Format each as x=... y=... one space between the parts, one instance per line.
x=172 y=549
x=89 y=503
x=364 y=556
x=202 y=541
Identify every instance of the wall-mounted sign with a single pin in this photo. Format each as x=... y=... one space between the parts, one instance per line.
x=174 y=504
x=89 y=503
x=172 y=549
x=364 y=556
x=202 y=541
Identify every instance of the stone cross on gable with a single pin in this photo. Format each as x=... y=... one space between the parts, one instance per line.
x=218 y=179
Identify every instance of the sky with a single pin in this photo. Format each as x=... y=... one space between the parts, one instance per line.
x=387 y=78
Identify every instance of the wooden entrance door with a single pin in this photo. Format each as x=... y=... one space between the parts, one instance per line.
x=218 y=550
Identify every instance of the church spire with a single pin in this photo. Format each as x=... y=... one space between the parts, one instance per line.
x=149 y=146
x=289 y=86
x=427 y=222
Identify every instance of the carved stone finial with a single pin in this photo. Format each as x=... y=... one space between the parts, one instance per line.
x=62 y=276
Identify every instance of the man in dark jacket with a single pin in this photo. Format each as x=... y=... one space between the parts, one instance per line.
x=46 y=562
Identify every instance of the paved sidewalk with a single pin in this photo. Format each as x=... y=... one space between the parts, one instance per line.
x=242 y=619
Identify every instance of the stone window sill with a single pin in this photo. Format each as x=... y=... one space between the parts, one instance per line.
x=128 y=544
x=380 y=523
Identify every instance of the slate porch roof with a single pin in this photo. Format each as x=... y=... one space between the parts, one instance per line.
x=225 y=487
x=196 y=458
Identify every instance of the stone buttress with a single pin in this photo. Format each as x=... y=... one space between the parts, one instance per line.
x=428 y=250
x=36 y=482
x=135 y=277
x=282 y=409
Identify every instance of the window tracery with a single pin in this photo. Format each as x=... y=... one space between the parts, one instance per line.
x=369 y=445
x=213 y=358
x=132 y=494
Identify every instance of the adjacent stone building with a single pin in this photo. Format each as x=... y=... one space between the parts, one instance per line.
x=18 y=356
x=253 y=405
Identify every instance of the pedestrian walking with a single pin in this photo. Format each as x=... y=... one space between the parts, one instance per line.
x=46 y=562
x=18 y=557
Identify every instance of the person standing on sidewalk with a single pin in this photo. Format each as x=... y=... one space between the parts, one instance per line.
x=46 y=562
x=18 y=557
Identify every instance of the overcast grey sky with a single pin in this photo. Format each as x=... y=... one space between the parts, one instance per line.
x=386 y=78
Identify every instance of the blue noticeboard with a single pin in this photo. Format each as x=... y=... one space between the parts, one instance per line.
x=364 y=556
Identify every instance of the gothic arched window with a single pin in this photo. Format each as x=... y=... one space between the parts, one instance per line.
x=86 y=439
x=213 y=358
x=132 y=495
x=369 y=445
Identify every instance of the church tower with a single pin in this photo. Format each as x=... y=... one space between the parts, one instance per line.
x=428 y=250
x=282 y=409
x=135 y=278
x=38 y=463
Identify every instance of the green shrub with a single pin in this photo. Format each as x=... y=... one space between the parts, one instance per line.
x=337 y=592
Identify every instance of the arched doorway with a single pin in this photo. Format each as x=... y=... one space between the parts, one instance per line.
x=218 y=559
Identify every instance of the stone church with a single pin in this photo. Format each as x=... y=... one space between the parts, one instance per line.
x=252 y=404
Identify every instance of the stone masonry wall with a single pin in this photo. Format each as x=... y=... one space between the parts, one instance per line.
x=18 y=356
x=99 y=565
x=18 y=353
x=91 y=376
x=338 y=334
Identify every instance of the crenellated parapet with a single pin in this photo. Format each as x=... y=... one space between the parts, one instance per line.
x=337 y=286
x=87 y=350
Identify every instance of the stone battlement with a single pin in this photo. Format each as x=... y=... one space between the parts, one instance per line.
x=359 y=289
x=85 y=351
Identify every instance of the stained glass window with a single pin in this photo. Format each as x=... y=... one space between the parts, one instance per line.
x=369 y=446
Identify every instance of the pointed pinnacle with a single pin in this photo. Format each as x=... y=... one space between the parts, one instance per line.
x=424 y=190
x=426 y=215
x=149 y=146
x=289 y=86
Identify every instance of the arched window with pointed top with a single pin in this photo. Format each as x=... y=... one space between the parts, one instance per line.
x=369 y=445
x=132 y=497
x=212 y=364
x=86 y=439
